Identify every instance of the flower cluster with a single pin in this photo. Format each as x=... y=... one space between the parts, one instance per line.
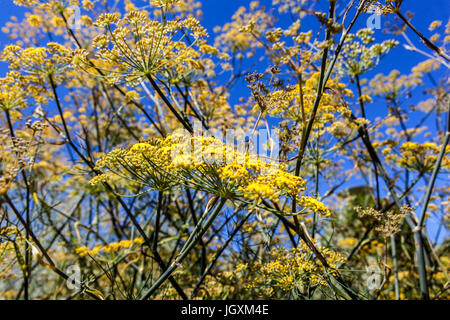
x=360 y=54
x=285 y=102
x=387 y=223
x=421 y=157
x=16 y=154
x=37 y=62
x=135 y=47
x=207 y=164
x=109 y=248
x=11 y=240
x=393 y=85
x=289 y=269
x=239 y=35
x=12 y=93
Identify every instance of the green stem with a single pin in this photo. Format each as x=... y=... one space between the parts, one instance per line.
x=155 y=86
x=437 y=166
x=394 y=258
x=322 y=82
x=417 y=231
x=427 y=42
x=195 y=236
x=218 y=254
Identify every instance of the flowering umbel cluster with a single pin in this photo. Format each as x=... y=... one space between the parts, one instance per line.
x=288 y=271
x=135 y=47
x=206 y=164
